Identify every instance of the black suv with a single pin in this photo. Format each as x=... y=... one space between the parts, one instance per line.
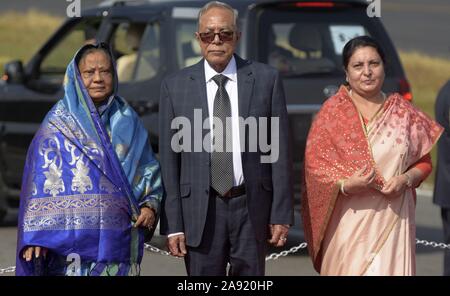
x=303 y=39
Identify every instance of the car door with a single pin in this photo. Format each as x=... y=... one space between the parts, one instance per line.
x=135 y=37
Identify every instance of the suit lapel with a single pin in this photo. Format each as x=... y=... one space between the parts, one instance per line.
x=197 y=88
x=197 y=77
x=245 y=82
x=245 y=85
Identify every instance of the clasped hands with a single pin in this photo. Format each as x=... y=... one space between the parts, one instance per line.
x=361 y=180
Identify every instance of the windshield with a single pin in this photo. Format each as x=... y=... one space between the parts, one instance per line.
x=305 y=43
x=55 y=62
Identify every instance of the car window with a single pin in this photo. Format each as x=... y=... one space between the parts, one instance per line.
x=306 y=43
x=187 y=47
x=125 y=41
x=136 y=49
x=149 y=56
x=54 y=64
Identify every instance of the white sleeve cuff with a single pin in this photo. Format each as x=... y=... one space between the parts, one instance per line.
x=173 y=234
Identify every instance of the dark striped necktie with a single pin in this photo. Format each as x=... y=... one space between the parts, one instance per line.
x=222 y=174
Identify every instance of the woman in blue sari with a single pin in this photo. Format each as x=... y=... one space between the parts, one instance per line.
x=91 y=183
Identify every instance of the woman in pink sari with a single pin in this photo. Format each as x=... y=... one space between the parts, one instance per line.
x=365 y=155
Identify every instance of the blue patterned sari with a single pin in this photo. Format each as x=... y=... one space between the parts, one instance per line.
x=86 y=175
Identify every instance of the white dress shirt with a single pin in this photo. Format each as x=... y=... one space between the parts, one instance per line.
x=232 y=90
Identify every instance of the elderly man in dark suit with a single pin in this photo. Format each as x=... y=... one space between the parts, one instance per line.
x=223 y=205
x=442 y=183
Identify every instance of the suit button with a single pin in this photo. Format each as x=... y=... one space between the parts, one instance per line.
x=207 y=191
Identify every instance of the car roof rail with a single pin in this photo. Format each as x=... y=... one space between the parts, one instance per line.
x=110 y=3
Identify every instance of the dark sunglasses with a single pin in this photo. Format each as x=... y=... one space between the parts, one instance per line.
x=209 y=37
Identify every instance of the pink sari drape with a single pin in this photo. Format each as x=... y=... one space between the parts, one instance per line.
x=368 y=233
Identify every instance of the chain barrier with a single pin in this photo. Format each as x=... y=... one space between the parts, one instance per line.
x=7 y=270
x=154 y=249
x=273 y=256
x=432 y=244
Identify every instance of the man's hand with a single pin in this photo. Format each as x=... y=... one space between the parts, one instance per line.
x=28 y=252
x=146 y=218
x=278 y=234
x=177 y=245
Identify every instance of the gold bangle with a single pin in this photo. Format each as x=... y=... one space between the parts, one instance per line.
x=342 y=188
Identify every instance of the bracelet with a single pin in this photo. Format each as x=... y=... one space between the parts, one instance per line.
x=408 y=181
x=342 y=188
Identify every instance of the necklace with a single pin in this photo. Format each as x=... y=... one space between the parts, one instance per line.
x=367 y=116
x=382 y=94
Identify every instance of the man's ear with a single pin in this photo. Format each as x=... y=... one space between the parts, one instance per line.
x=238 y=35
x=197 y=37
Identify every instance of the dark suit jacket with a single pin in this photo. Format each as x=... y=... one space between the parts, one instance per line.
x=186 y=175
x=442 y=184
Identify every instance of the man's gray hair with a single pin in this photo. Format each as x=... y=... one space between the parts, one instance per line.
x=217 y=4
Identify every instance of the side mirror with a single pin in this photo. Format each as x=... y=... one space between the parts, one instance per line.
x=14 y=72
